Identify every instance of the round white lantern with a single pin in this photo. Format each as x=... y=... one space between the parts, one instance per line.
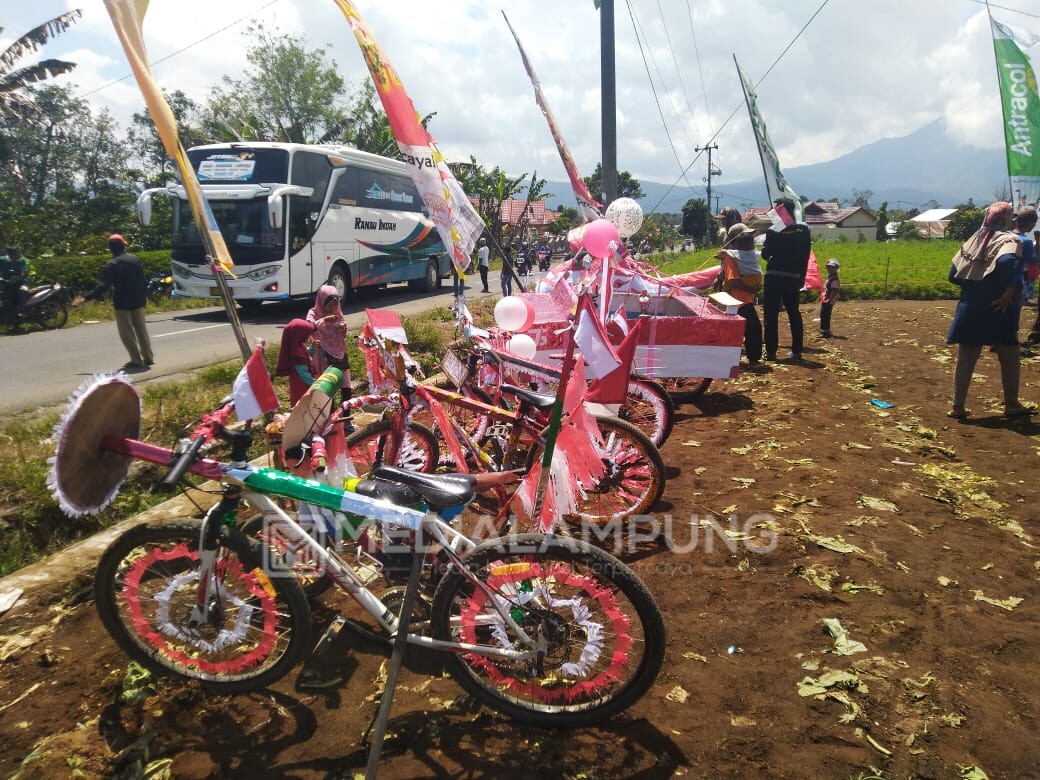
x=627 y=216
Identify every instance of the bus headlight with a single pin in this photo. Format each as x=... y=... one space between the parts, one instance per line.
x=259 y=274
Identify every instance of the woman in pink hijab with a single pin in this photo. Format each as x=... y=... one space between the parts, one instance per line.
x=330 y=328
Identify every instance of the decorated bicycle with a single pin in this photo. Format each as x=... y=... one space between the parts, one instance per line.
x=549 y=631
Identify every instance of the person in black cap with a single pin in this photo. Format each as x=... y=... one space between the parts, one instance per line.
x=786 y=253
x=124 y=274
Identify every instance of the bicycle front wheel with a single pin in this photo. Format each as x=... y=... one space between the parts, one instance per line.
x=604 y=632
x=255 y=627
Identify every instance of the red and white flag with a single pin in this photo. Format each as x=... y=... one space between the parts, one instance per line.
x=620 y=320
x=613 y=388
x=253 y=392
x=387 y=324
x=591 y=340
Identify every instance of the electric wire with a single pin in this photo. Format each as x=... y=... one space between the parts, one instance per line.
x=678 y=71
x=657 y=100
x=183 y=49
x=660 y=76
x=700 y=70
x=1005 y=8
x=738 y=107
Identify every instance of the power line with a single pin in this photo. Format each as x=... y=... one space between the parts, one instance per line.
x=657 y=100
x=678 y=70
x=1005 y=8
x=700 y=70
x=241 y=19
x=738 y=106
x=660 y=76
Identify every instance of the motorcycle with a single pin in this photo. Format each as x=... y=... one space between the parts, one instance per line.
x=159 y=287
x=43 y=305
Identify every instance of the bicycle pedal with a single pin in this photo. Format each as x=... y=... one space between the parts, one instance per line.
x=330 y=635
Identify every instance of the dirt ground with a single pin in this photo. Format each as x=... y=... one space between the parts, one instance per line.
x=918 y=533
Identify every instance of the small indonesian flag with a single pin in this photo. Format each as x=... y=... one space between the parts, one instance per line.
x=591 y=340
x=387 y=324
x=253 y=392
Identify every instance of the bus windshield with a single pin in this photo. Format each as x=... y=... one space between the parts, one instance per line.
x=244 y=224
x=231 y=165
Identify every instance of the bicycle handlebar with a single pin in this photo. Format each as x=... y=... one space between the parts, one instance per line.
x=183 y=463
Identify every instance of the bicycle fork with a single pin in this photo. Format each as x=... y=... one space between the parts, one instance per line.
x=209 y=608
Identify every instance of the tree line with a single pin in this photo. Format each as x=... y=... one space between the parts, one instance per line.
x=70 y=174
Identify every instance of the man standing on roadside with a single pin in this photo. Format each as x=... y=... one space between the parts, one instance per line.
x=125 y=275
x=484 y=262
x=786 y=253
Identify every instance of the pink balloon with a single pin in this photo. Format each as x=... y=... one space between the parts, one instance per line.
x=601 y=238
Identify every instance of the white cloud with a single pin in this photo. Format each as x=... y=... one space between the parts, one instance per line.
x=858 y=73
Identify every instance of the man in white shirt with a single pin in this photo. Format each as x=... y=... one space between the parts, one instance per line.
x=483 y=262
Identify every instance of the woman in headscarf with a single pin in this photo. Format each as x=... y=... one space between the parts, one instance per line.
x=294 y=361
x=330 y=329
x=988 y=271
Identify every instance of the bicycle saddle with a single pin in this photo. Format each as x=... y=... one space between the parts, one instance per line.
x=437 y=490
x=537 y=400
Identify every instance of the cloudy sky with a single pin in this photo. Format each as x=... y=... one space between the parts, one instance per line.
x=859 y=72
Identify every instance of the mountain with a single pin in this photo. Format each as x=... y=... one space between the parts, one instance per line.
x=908 y=171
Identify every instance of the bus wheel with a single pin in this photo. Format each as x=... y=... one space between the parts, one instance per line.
x=433 y=276
x=339 y=278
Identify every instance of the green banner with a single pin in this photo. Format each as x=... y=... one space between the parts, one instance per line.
x=1018 y=95
x=776 y=182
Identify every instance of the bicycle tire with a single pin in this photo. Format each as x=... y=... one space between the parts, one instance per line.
x=606 y=633
x=419 y=451
x=684 y=390
x=648 y=406
x=144 y=590
x=635 y=474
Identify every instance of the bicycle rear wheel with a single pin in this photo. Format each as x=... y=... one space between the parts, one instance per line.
x=649 y=407
x=635 y=474
x=418 y=451
x=258 y=621
x=684 y=390
x=604 y=632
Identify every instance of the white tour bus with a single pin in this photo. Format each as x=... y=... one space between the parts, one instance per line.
x=295 y=216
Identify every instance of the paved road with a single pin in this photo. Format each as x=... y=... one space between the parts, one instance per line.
x=41 y=369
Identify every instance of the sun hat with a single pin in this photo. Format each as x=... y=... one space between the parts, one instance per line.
x=832 y=263
x=738 y=230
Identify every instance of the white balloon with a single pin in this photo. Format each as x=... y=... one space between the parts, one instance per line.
x=523 y=346
x=513 y=313
x=627 y=216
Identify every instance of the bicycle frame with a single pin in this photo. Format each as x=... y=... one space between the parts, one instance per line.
x=255 y=484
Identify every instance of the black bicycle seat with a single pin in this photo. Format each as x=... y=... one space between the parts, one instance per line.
x=537 y=400
x=437 y=490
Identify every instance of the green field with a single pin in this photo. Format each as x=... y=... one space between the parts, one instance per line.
x=897 y=269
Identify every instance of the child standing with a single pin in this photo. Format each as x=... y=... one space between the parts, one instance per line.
x=294 y=360
x=330 y=328
x=831 y=288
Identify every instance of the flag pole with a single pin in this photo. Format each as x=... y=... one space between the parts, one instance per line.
x=1003 y=105
x=552 y=430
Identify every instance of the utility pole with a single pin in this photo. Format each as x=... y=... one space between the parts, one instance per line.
x=608 y=95
x=712 y=171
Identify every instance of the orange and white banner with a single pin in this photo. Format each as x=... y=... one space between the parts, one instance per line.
x=128 y=19
x=458 y=223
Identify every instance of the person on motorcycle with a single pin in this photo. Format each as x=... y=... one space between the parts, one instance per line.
x=544 y=257
x=14 y=272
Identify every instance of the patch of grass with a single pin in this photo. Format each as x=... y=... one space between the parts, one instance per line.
x=32 y=525
x=913 y=270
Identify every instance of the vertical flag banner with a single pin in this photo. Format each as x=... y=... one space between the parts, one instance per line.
x=128 y=19
x=1018 y=95
x=458 y=223
x=776 y=183
x=587 y=205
